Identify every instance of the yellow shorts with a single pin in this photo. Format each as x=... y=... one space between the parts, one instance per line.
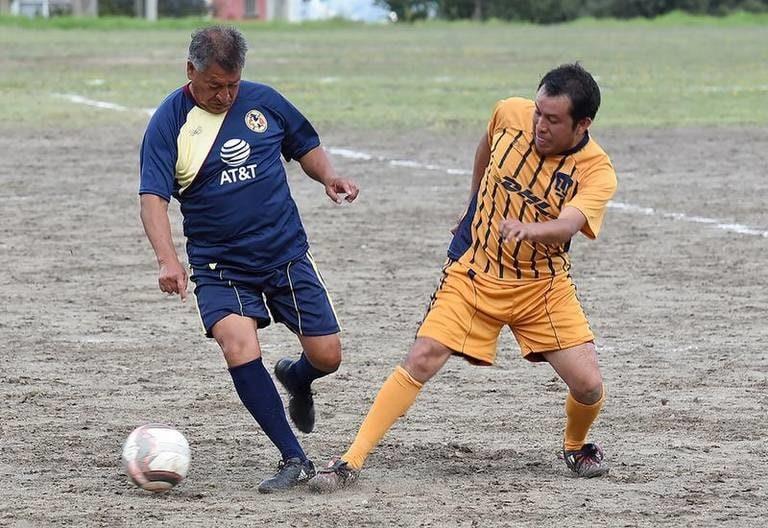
x=468 y=310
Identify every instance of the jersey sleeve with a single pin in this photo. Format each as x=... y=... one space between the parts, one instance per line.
x=493 y=123
x=509 y=113
x=594 y=192
x=157 y=161
x=300 y=136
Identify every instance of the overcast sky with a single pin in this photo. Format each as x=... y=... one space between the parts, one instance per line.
x=352 y=9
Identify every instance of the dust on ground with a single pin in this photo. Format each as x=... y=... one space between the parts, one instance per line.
x=90 y=348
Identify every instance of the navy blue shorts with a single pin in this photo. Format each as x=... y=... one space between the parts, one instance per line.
x=294 y=294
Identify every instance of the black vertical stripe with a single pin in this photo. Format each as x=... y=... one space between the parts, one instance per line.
x=533 y=253
x=439 y=287
x=522 y=161
x=501 y=239
x=503 y=133
x=480 y=218
x=491 y=215
x=536 y=174
x=474 y=250
x=552 y=176
x=515 y=263
x=535 y=219
x=481 y=205
x=441 y=283
x=550 y=263
x=562 y=199
x=565 y=247
x=509 y=148
x=479 y=215
x=522 y=207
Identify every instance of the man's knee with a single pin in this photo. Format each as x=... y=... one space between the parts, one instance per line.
x=579 y=369
x=425 y=359
x=324 y=352
x=587 y=388
x=239 y=348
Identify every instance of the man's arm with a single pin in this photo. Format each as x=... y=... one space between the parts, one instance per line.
x=317 y=166
x=172 y=276
x=558 y=231
x=482 y=158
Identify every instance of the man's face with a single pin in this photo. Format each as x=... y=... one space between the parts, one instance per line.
x=553 y=126
x=214 y=88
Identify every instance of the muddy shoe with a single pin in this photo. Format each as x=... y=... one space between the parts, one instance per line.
x=587 y=462
x=290 y=473
x=301 y=405
x=335 y=476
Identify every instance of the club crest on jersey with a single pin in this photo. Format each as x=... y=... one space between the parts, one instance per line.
x=563 y=182
x=256 y=121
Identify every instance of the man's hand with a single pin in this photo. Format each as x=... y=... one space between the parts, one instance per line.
x=513 y=229
x=341 y=186
x=557 y=231
x=173 y=279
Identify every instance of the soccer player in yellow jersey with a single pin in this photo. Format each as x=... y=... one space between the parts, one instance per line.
x=538 y=179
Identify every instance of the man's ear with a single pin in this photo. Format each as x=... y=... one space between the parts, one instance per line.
x=190 y=70
x=583 y=125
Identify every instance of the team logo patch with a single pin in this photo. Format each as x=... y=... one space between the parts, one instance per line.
x=235 y=152
x=563 y=182
x=256 y=121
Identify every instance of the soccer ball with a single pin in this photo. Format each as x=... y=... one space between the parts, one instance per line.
x=156 y=457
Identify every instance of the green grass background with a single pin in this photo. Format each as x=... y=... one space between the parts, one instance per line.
x=678 y=70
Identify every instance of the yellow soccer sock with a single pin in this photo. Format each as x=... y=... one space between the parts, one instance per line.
x=579 y=418
x=393 y=400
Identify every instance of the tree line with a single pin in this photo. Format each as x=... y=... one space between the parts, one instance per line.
x=553 y=11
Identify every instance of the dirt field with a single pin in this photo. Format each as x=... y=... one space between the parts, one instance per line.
x=90 y=348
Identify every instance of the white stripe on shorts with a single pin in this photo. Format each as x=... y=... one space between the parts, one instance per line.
x=237 y=293
x=322 y=283
x=295 y=304
x=197 y=303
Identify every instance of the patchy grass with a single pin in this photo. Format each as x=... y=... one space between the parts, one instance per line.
x=677 y=70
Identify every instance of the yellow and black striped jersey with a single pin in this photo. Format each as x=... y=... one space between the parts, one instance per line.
x=518 y=183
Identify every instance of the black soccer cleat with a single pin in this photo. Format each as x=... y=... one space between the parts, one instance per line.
x=335 y=476
x=290 y=473
x=301 y=405
x=587 y=462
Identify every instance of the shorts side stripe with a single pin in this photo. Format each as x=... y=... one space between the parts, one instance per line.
x=237 y=293
x=549 y=317
x=433 y=299
x=197 y=304
x=322 y=283
x=295 y=304
x=472 y=319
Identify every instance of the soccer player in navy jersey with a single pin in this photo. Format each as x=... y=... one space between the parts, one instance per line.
x=215 y=145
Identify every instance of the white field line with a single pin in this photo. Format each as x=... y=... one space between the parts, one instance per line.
x=79 y=99
x=363 y=156
x=719 y=224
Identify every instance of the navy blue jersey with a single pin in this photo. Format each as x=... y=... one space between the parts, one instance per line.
x=225 y=170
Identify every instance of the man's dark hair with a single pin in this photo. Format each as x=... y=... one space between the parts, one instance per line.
x=577 y=83
x=223 y=45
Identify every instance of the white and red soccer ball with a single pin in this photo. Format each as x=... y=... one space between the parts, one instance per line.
x=156 y=457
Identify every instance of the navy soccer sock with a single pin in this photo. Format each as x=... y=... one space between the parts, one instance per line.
x=257 y=391
x=302 y=373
